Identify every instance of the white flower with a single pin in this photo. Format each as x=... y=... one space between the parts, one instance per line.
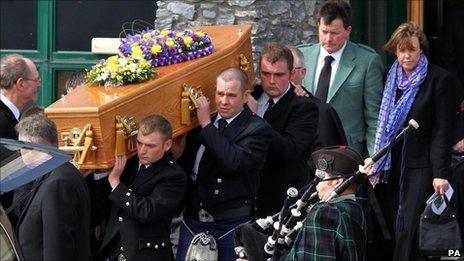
x=132 y=67
x=122 y=61
x=103 y=76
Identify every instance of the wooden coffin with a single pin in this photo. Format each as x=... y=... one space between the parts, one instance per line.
x=86 y=118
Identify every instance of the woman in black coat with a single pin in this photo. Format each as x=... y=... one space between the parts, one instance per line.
x=420 y=164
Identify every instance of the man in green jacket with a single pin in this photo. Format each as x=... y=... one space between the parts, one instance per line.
x=346 y=75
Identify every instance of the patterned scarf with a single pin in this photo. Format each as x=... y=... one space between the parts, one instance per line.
x=393 y=115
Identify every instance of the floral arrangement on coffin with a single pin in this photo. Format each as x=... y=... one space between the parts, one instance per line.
x=167 y=47
x=116 y=71
x=139 y=54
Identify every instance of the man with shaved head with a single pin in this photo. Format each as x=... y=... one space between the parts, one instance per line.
x=222 y=160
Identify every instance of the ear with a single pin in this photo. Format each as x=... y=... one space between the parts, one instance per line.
x=336 y=182
x=349 y=29
x=167 y=145
x=20 y=83
x=292 y=73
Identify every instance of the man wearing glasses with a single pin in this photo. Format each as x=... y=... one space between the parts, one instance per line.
x=19 y=82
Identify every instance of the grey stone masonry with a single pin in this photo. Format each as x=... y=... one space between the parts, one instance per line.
x=288 y=22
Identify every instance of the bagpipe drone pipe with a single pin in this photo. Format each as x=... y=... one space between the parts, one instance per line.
x=272 y=237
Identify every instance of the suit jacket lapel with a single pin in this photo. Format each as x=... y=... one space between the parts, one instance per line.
x=145 y=174
x=344 y=69
x=231 y=132
x=206 y=159
x=311 y=64
x=8 y=113
x=281 y=106
x=238 y=124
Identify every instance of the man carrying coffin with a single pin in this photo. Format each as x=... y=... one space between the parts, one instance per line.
x=222 y=160
x=145 y=192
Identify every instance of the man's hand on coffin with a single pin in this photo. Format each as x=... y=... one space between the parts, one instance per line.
x=178 y=145
x=203 y=111
x=115 y=174
x=251 y=102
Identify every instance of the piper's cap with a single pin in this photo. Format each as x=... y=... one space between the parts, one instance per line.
x=337 y=160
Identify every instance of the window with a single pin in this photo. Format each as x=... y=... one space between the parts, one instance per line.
x=56 y=34
x=17 y=35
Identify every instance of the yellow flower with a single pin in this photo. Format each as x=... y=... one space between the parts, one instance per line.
x=188 y=40
x=164 y=32
x=113 y=68
x=155 y=49
x=144 y=63
x=147 y=36
x=200 y=34
x=170 y=42
x=136 y=50
x=113 y=60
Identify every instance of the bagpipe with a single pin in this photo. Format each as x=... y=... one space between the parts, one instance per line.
x=270 y=238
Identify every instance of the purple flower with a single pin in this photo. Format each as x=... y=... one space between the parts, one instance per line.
x=177 y=52
x=125 y=49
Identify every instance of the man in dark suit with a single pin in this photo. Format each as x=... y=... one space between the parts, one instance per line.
x=55 y=222
x=329 y=128
x=222 y=160
x=145 y=193
x=19 y=81
x=294 y=122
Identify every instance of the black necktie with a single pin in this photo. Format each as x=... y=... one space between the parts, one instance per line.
x=270 y=104
x=324 y=79
x=222 y=124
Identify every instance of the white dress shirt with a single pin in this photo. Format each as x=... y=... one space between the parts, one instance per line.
x=320 y=63
x=263 y=102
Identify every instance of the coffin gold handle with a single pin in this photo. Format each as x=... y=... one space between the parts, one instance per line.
x=126 y=129
x=190 y=94
x=79 y=143
x=243 y=61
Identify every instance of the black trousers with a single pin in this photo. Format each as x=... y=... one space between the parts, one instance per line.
x=417 y=188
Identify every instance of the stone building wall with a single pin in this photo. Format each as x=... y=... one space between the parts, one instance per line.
x=288 y=22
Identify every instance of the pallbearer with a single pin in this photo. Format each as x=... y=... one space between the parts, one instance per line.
x=222 y=160
x=144 y=194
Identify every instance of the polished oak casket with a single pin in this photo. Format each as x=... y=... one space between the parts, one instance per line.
x=96 y=122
